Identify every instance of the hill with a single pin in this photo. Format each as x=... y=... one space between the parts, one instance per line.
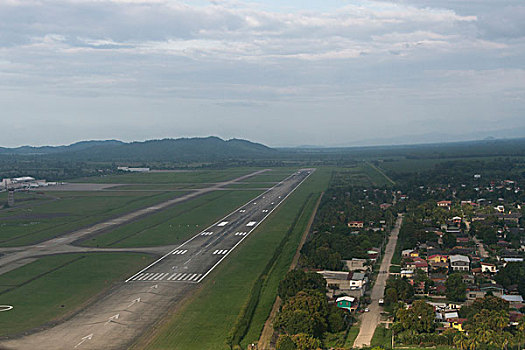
x=183 y=149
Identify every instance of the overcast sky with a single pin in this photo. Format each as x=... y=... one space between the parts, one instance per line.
x=324 y=72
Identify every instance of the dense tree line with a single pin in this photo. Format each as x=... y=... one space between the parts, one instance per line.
x=305 y=314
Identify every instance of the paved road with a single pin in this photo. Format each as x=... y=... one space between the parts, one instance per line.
x=119 y=318
x=481 y=248
x=370 y=320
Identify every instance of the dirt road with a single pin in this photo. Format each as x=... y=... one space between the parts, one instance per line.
x=370 y=320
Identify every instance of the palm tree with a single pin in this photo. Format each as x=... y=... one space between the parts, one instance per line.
x=461 y=341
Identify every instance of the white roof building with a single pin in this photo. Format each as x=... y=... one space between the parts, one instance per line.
x=350 y=299
x=459 y=258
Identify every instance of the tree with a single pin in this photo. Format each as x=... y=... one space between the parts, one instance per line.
x=306 y=342
x=455 y=288
x=419 y=318
x=336 y=319
x=304 y=313
x=285 y=342
x=449 y=240
x=461 y=341
x=297 y=280
x=398 y=289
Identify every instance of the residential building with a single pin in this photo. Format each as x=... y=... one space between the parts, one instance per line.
x=356 y=224
x=346 y=303
x=488 y=268
x=459 y=262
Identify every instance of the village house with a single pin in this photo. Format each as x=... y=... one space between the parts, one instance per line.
x=444 y=204
x=348 y=283
x=459 y=263
x=356 y=224
x=356 y=264
x=417 y=263
x=409 y=253
x=346 y=303
x=488 y=268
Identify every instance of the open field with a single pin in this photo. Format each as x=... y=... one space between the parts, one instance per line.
x=174 y=224
x=251 y=185
x=206 y=319
x=155 y=187
x=55 y=286
x=193 y=176
x=404 y=165
x=382 y=337
x=269 y=177
x=376 y=175
x=46 y=216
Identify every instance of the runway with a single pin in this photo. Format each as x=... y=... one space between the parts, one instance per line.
x=117 y=319
x=193 y=260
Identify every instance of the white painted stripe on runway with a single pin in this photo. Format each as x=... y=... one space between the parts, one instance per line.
x=181 y=276
x=145 y=276
x=207 y=233
x=224 y=223
x=138 y=276
x=179 y=252
x=197 y=277
x=251 y=223
x=159 y=277
x=175 y=275
x=215 y=252
x=192 y=277
x=185 y=278
x=163 y=275
x=154 y=276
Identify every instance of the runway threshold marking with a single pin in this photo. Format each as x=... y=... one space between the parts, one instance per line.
x=222 y=224
x=251 y=223
x=179 y=252
x=220 y=252
x=241 y=233
x=208 y=233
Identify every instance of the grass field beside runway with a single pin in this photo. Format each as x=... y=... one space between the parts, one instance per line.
x=270 y=176
x=156 y=187
x=252 y=185
x=205 y=321
x=174 y=224
x=43 y=216
x=190 y=176
x=54 y=286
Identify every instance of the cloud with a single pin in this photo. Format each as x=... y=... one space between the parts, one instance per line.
x=238 y=55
